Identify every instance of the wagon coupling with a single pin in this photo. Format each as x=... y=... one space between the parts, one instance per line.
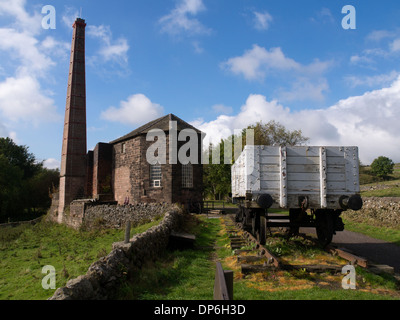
x=353 y=202
x=264 y=200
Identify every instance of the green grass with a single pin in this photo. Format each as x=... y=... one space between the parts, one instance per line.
x=187 y=274
x=392 y=183
x=382 y=233
x=190 y=275
x=25 y=250
x=393 y=191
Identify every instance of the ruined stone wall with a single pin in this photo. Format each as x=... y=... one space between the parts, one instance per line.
x=126 y=170
x=104 y=276
x=378 y=211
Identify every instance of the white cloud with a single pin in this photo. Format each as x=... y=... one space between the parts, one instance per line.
x=3 y=130
x=363 y=59
x=262 y=20
x=395 y=45
x=21 y=95
x=257 y=62
x=69 y=16
x=21 y=99
x=323 y=16
x=52 y=163
x=369 y=121
x=181 y=19
x=24 y=48
x=137 y=109
x=304 y=89
x=389 y=47
x=59 y=49
x=23 y=20
x=110 y=50
x=220 y=108
x=305 y=81
x=197 y=47
x=378 y=35
x=372 y=81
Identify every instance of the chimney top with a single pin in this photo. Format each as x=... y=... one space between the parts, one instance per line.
x=79 y=22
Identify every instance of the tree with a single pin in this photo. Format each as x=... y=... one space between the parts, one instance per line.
x=217 y=177
x=382 y=167
x=275 y=134
x=20 y=157
x=24 y=182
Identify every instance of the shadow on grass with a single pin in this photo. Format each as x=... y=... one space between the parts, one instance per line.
x=178 y=274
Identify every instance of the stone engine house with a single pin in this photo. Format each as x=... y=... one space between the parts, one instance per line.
x=119 y=171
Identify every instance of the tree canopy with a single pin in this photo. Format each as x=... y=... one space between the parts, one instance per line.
x=217 y=177
x=24 y=182
x=382 y=167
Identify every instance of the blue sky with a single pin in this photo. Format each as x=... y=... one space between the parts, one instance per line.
x=220 y=65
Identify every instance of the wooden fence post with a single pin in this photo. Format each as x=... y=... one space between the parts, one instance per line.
x=127 y=232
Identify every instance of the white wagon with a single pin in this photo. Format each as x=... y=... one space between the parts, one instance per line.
x=322 y=181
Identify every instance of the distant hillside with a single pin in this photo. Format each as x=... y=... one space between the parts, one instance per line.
x=373 y=186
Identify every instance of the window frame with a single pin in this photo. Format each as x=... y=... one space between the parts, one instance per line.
x=187 y=176
x=155 y=175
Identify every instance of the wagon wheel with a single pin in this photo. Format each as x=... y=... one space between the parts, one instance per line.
x=255 y=224
x=324 y=227
x=262 y=232
x=239 y=214
x=244 y=217
x=198 y=208
x=294 y=218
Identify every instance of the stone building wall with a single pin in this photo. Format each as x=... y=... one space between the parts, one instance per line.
x=131 y=175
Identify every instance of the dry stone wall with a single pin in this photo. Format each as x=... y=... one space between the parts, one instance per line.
x=115 y=216
x=379 y=211
x=105 y=275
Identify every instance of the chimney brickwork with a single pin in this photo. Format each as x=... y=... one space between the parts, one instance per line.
x=73 y=156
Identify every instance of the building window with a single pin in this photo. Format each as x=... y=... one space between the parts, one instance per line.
x=123 y=147
x=155 y=175
x=187 y=175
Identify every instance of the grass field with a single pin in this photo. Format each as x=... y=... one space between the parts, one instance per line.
x=25 y=250
x=176 y=275
x=380 y=187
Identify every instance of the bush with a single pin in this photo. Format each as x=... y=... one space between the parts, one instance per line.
x=382 y=166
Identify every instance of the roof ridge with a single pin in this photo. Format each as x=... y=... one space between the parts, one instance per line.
x=141 y=129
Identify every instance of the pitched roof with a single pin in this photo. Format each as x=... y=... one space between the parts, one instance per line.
x=160 y=123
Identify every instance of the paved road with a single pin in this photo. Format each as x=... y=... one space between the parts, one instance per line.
x=374 y=250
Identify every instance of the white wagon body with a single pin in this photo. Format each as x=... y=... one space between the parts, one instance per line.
x=320 y=174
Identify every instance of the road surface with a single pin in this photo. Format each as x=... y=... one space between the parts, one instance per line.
x=374 y=250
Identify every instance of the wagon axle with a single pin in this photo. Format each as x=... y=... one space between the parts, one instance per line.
x=259 y=221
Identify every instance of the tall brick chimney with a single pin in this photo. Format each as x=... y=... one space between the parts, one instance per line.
x=73 y=156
